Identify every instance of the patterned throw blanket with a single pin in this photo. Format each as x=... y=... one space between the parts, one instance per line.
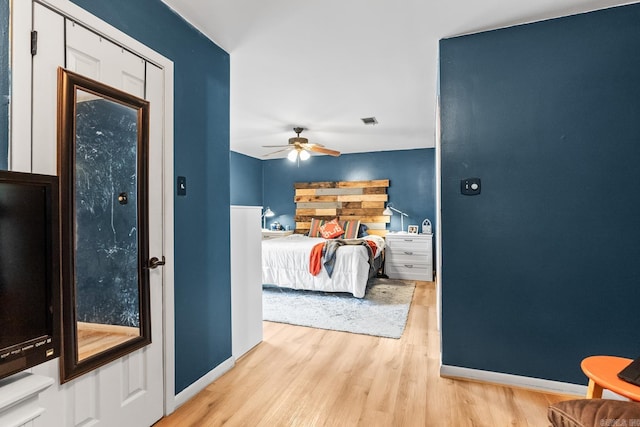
x=324 y=253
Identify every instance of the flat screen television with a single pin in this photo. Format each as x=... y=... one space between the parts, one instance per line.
x=29 y=270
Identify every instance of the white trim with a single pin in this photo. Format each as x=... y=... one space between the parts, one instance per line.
x=20 y=120
x=247 y=207
x=204 y=381
x=438 y=228
x=513 y=380
x=510 y=380
x=546 y=386
x=21 y=113
x=168 y=249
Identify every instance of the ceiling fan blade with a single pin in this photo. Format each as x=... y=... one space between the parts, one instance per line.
x=308 y=146
x=275 y=146
x=275 y=152
x=315 y=148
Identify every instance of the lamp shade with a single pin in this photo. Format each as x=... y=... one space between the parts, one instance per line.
x=387 y=211
x=268 y=213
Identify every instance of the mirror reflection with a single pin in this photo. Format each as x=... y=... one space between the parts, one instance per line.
x=106 y=253
x=102 y=148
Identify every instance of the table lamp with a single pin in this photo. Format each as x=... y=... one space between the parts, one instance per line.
x=268 y=213
x=388 y=211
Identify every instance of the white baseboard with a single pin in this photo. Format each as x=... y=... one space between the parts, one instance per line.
x=203 y=382
x=510 y=380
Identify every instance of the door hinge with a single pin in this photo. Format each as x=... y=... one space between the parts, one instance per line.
x=34 y=43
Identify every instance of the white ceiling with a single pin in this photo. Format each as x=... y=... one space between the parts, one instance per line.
x=324 y=65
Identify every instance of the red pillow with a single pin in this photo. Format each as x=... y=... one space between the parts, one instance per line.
x=331 y=229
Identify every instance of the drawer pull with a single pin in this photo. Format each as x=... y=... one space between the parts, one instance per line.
x=408 y=240
x=408 y=253
x=409 y=265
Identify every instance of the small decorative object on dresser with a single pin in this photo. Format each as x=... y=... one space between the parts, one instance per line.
x=426 y=226
x=409 y=257
x=412 y=229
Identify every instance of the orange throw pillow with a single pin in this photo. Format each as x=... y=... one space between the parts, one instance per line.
x=331 y=229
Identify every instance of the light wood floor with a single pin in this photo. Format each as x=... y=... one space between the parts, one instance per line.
x=311 y=377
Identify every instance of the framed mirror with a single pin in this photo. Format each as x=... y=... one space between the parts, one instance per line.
x=102 y=165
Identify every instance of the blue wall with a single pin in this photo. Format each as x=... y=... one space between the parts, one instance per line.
x=540 y=270
x=4 y=83
x=201 y=138
x=246 y=180
x=411 y=174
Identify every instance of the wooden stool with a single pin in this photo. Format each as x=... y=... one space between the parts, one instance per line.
x=603 y=374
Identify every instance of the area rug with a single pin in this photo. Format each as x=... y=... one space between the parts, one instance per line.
x=382 y=312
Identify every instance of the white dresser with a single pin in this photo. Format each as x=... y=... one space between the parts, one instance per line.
x=409 y=256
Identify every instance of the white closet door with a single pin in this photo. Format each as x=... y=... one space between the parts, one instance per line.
x=130 y=390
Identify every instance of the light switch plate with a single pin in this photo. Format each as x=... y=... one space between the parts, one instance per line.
x=470 y=186
x=182 y=186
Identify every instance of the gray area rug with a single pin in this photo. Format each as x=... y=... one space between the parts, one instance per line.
x=382 y=312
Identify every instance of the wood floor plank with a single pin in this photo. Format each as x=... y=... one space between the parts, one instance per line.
x=301 y=376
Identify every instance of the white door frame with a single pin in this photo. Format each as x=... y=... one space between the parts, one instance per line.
x=21 y=137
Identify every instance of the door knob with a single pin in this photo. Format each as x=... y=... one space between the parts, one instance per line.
x=155 y=262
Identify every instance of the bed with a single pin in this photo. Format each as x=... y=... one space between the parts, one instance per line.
x=286 y=263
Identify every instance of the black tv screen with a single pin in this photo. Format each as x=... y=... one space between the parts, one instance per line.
x=29 y=270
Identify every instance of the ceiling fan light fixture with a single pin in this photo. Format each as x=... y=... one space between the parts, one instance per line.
x=299 y=140
x=299 y=148
x=292 y=156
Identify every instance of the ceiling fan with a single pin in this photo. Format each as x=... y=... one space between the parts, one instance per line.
x=300 y=147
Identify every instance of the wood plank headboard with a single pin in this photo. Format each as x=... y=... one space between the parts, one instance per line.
x=345 y=200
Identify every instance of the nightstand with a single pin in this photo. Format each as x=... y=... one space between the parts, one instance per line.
x=409 y=256
x=274 y=234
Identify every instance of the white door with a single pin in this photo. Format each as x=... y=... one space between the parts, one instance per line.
x=129 y=391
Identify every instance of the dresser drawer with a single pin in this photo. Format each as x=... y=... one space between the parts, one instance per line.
x=409 y=244
x=409 y=271
x=407 y=256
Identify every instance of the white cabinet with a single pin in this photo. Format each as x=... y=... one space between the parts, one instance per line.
x=246 y=279
x=19 y=405
x=409 y=256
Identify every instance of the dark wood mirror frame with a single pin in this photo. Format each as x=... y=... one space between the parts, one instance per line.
x=68 y=84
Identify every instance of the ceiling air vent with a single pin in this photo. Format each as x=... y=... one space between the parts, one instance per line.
x=369 y=121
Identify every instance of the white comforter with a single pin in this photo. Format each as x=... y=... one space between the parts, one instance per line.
x=285 y=263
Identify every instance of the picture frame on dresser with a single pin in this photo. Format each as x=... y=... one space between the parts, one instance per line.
x=412 y=229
